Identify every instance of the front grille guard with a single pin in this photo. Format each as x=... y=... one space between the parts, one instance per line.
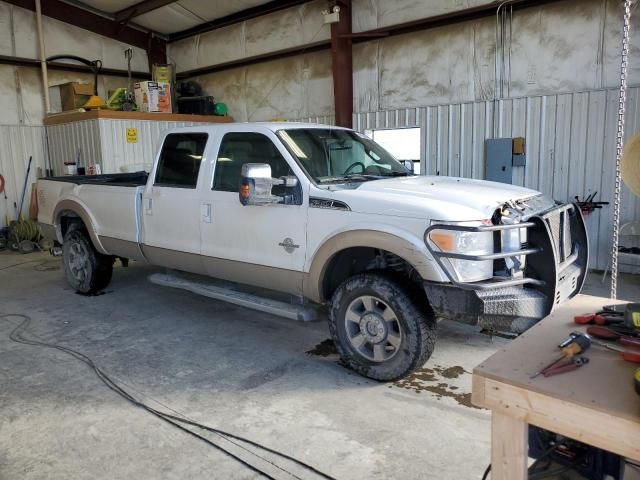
x=541 y=242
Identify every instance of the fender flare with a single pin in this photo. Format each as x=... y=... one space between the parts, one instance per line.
x=69 y=205
x=416 y=255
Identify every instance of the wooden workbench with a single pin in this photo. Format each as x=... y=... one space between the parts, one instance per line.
x=596 y=404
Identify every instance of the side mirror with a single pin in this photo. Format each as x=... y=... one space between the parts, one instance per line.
x=255 y=184
x=408 y=164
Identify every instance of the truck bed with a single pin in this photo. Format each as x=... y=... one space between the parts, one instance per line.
x=134 y=179
x=110 y=202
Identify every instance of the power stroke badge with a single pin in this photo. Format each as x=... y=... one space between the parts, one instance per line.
x=288 y=245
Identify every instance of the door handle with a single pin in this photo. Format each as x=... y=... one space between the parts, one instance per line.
x=205 y=212
x=148 y=206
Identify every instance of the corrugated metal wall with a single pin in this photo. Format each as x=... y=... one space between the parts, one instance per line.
x=570 y=146
x=17 y=144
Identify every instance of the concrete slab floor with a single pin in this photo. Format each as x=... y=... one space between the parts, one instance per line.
x=244 y=372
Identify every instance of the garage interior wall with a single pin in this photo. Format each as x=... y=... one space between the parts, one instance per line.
x=21 y=97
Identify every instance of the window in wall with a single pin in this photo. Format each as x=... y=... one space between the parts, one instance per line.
x=239 y=148
x=402 y=143
x=180 y=160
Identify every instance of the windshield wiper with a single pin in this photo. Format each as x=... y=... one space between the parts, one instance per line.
x=395 y=174
x=345 y=178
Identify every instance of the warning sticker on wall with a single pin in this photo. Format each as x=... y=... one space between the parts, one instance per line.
x=132 y=135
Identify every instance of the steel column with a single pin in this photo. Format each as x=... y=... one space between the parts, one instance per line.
x=342 y=65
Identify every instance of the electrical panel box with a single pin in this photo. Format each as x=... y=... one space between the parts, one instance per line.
x=501 y=156
x=498 y=161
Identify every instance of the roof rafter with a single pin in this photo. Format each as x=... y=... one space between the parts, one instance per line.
x=79 y=17
x=237 y=17
x=140 y=8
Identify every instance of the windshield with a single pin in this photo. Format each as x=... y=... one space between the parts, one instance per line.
x=334 y=156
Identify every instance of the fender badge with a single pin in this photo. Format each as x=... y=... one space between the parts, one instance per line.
x=288 y=245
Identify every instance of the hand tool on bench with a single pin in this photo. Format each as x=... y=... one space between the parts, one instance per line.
x=599 y=318
x=632 y=355
x=572 y=346
x=604 y=333
x=566 y=366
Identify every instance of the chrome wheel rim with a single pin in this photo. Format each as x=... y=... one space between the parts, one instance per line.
x=78 y=261
x=373 y=329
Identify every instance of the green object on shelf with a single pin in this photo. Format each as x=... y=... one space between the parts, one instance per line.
x=220 y=109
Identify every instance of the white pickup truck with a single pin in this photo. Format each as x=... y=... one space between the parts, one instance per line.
x=326 y=214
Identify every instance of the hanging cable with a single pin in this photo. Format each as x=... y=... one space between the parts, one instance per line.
x=619 y=143
x=17 y=335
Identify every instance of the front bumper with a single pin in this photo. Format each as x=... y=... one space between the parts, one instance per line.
x=556 y=266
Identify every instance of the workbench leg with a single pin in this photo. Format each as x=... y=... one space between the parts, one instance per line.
x=509 y=447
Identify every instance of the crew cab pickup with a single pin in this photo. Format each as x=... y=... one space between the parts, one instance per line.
x=326 y=214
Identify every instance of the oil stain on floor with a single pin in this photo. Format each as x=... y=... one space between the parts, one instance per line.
x=433 y=380
x=324 y=349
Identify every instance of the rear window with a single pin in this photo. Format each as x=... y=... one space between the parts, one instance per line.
x=180 y=160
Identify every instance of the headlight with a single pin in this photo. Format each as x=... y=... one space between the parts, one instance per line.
x=469 y=243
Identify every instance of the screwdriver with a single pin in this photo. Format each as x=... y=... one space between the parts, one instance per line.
x=579 y=343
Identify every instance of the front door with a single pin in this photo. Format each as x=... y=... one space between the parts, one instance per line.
x=171 y=206
x=258 y=245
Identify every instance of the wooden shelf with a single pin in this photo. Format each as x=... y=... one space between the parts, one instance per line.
x=78 y=116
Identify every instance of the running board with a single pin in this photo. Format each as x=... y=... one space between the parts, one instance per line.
x=228 y=294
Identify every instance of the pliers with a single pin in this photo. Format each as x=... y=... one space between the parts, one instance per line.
x=563 y=366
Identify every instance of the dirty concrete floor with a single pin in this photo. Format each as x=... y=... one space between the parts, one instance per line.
x=272 y=380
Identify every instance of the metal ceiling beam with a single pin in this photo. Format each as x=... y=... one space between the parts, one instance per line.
x=241 y=16
x=140 y=8
x=69 y=67
x=79 y=17
x=464 y=15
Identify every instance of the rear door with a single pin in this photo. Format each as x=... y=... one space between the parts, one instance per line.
x=171 y=206
x=258 y=245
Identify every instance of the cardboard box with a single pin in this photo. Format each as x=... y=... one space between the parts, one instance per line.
x=69 y=96
x=164 y=97
x=146 y=94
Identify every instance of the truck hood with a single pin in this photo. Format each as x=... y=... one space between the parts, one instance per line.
x=442 y=198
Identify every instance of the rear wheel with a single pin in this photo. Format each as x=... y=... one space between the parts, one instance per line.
x=381 y=328
x=86 y=270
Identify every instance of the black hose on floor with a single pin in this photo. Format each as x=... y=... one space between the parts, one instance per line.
x=17 y=335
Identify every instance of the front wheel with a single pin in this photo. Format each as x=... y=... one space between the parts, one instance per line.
x=86 y=270
x=380 y=328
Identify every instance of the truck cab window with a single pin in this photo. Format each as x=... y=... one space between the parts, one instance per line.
x=239 y=148
x=180 y=159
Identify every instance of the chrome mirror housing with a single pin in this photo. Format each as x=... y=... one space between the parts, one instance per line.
x=255 y=184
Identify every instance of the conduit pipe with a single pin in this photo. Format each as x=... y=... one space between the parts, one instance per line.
x=43 y=59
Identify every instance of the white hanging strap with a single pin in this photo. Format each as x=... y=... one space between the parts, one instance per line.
x=619 y=143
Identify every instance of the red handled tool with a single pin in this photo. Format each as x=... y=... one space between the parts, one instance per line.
x=600 y=318
x=565 y=366
x=604 y=333
x=608 y=334
x=570 y=348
